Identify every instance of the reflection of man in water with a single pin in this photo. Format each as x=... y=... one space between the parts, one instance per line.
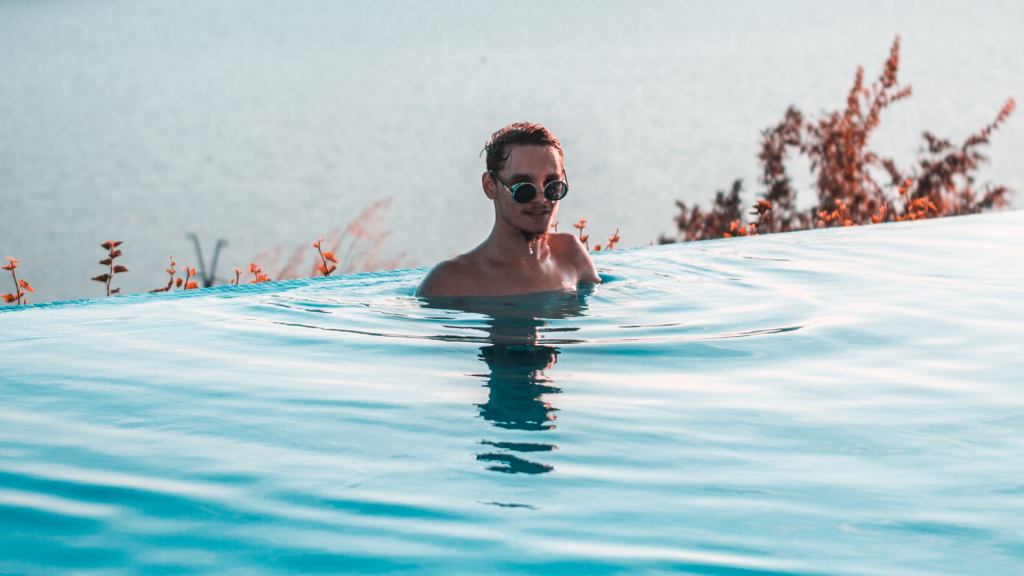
x=518 y=391
x=525 y=179
x=516 y=384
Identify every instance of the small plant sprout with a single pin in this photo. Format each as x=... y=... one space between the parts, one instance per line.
x=917 y=208
x=324 y=257
x=189 y=272
x=18 y=297
x=580 y=226
x=238 y=276
x=170 y=282
x=763 y=211
x=109 y=262
x=554 y=226
x=258 y=272
x=879 y=217
x=613 y=240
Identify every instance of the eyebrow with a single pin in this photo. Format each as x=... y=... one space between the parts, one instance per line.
x=523 y=177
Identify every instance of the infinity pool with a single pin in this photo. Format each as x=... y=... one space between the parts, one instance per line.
x=844 y=401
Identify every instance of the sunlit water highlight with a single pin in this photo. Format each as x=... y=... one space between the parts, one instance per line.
x=831 y=402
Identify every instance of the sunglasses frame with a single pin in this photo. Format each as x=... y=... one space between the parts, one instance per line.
x=516 y=187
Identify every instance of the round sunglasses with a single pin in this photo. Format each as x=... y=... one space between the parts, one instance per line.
x=524 y=192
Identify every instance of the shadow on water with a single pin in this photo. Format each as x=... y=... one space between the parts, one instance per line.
x=518 y=388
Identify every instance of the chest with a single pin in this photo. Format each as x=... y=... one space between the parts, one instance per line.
x=533 y=277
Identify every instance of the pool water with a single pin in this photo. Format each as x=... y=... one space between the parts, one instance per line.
x=846 y=401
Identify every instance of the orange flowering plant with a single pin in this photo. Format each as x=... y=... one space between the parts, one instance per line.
x=18 y=297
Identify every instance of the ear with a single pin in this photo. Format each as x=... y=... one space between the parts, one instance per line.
x=490 y=188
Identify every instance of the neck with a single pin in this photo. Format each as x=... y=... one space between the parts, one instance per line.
x=513 y=244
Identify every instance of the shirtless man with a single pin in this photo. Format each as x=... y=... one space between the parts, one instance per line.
x=525 y=179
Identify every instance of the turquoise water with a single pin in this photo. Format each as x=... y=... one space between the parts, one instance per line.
x=830 y=402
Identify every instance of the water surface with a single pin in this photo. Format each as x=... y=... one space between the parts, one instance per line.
x=829 y=402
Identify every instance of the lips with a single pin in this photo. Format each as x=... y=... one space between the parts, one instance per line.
x=537 y=212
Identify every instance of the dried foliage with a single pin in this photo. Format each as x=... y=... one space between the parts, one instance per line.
x=364 y=238
x=357 y=248
x=696 y=224
x=942 y=184
x=112 y=269
x=18 y=297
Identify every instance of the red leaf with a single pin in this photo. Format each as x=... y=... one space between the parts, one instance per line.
x=115 y=290
x=322 y=269
x=179 y=282
x=26 y=286
x=191 y=286
x=120 y=269
x=332 y=268
x=116 y=253
x=101 y=278
x=330 y=256
x=105 y=261
x=10 y=298
x=8 y=267
x=158 y=290
x=108 y=244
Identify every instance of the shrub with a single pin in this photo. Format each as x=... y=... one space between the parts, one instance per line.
x=942 y=183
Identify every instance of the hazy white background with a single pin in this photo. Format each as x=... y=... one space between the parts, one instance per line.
x=269 y=123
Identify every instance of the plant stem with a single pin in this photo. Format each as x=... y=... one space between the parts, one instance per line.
x=17 y=288
x=110 y=275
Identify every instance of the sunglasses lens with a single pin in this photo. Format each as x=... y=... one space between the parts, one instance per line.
x=523 y=193
x=556 y=190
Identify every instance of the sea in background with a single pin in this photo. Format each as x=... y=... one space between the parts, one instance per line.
x=843 y=402
x=267 y=123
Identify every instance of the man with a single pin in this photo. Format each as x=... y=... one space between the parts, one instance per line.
x=525 y=179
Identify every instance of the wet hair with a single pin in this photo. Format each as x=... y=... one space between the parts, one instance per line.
x=522 y=133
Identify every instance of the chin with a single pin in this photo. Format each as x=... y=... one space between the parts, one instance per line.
x=534 y=228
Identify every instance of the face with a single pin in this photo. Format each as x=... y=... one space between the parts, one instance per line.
x=538 y=165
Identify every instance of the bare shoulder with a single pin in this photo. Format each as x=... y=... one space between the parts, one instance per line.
x=449 y=278
x=570 y=250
